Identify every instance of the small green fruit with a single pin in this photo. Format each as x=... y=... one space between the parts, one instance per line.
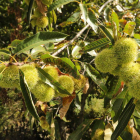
x=43 y=92
x=42 y=21
x=126 y=50
x=129 y=71
x=79 y=83
x=106 y=61
x=52 y=71
x=43 y=123
x=67 y=83
x=31 y=74
x=10 y=77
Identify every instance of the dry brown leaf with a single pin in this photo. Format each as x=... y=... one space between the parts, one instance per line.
x=44 y=107
x=42 y=8
x=135 y=135
x=86 y=87
x=66 y=103
x=38 y=103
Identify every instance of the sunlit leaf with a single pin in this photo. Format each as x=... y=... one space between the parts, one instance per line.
x=96 y=44
x=39 y=39
x=64 y=62
x=115 y=24
x=129 y=27
x=92 y=20
x=107 y=33
x=84 y=12
x=59 y=3
x=27 y=96
x=137 y=36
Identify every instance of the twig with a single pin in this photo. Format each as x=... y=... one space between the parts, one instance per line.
x=79 y=33
x=104 y=5
x=86 y=34
x=65 y=46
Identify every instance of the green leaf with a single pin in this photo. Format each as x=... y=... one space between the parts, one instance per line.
x=84 y=12
x=4 y=52
x=39 y=39
x=129 y=27
x=52 y=82
x=137 y=36
x=76 y=52
x=94 y=78
x=74 y=17
x=29 y=10
x=115 y=24
x=115 y=20
x=37 y=50
x=15 y=42
x=92 y=20
x=107 y=33
x=1 y=75
x=107 y=13
x=27 y=96
x=97 y=124
x=82 y=128
x=57 y=131
x=126 y=135
x=58 y=4
x=124 y=118
x=115 y=84
x=117 y=108
x=96 y=44
x=64 y=62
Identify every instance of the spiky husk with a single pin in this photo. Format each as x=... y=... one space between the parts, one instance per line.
x=138 y=106
x=79 y=83
x=116 y=71
x=126 y=50
x=10 y=77
x=129 y=71
x=97 y=105
x=66 y=82
x=106 y=61
x=134 y=87
x=43 y=123
x=52 y=71
x=47 y=2
x=99 y=134
x=31 y=74
x=43 y=92
x=42 y=21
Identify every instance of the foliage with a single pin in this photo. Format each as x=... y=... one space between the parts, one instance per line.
x=69 y=69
